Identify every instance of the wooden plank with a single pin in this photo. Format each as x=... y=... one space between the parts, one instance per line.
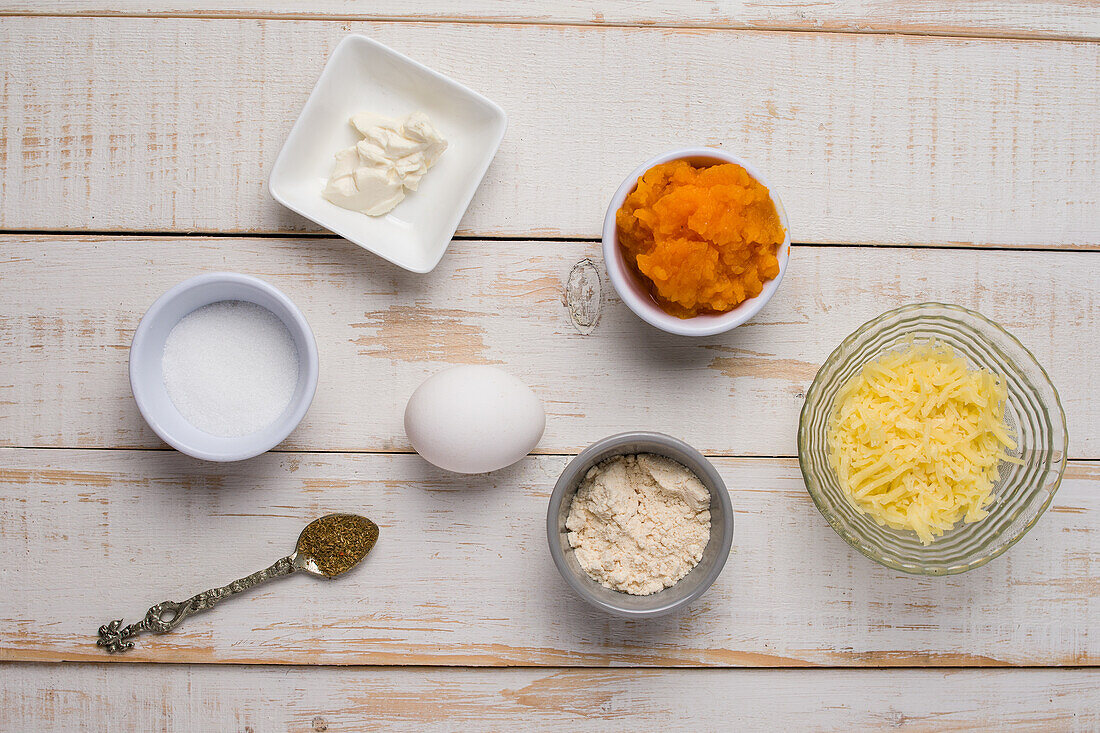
x=461 y=574
x=179 y=697
x=70 y=306
x=1046 y=19
x=172 y=124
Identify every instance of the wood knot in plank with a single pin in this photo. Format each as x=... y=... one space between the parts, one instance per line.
x=584 y=296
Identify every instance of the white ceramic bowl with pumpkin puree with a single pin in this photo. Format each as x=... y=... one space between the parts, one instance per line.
x=634 y=293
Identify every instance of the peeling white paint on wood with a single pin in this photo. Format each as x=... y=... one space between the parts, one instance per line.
x=168 y=124
x=113 y=697
x=67 y=319
x=461 y=573
x=1046 y=19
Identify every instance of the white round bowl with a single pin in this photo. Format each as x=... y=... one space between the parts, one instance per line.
x=637 y=297
x=147 y=353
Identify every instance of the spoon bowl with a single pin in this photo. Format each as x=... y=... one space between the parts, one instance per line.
x=334 y=544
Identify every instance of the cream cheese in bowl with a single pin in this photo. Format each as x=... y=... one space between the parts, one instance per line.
x=372 y=176
x=362 y=74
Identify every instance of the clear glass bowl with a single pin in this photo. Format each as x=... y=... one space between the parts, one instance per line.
x=1023 y=492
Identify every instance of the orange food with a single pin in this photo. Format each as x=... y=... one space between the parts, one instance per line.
x=704 y=239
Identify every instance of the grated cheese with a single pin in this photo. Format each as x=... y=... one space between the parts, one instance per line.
x=916 y=439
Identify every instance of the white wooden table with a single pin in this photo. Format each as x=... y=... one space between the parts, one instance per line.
x=924 y=150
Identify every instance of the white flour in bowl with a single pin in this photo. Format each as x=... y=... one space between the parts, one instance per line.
x=639 y=523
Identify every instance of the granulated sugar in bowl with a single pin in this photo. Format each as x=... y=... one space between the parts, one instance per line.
x=230 y=367
x=223 y=367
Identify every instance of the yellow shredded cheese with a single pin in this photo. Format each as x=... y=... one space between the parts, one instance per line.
x=916 y=439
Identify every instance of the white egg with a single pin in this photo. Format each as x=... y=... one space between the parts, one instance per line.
x=473 y=419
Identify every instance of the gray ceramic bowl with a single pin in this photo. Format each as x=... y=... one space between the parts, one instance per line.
x=692 y=585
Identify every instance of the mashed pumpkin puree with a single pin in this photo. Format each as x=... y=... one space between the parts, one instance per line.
x=703 y=239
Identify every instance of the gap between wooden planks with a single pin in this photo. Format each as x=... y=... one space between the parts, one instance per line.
x=172 y=124
x=70 y=305
x=1051 y=19
x=335 y=699
x=461 y=574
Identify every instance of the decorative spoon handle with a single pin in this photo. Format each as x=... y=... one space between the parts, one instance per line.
x=165 y=616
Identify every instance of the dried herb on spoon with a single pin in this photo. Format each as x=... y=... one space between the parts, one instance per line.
x=337 y=542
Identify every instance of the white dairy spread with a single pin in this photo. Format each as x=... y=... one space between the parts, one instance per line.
x=372 y=176
x=639 y=523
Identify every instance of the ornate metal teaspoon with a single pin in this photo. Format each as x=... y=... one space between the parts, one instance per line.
x=328 y=547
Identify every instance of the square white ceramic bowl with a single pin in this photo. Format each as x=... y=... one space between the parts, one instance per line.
x=362 y=75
